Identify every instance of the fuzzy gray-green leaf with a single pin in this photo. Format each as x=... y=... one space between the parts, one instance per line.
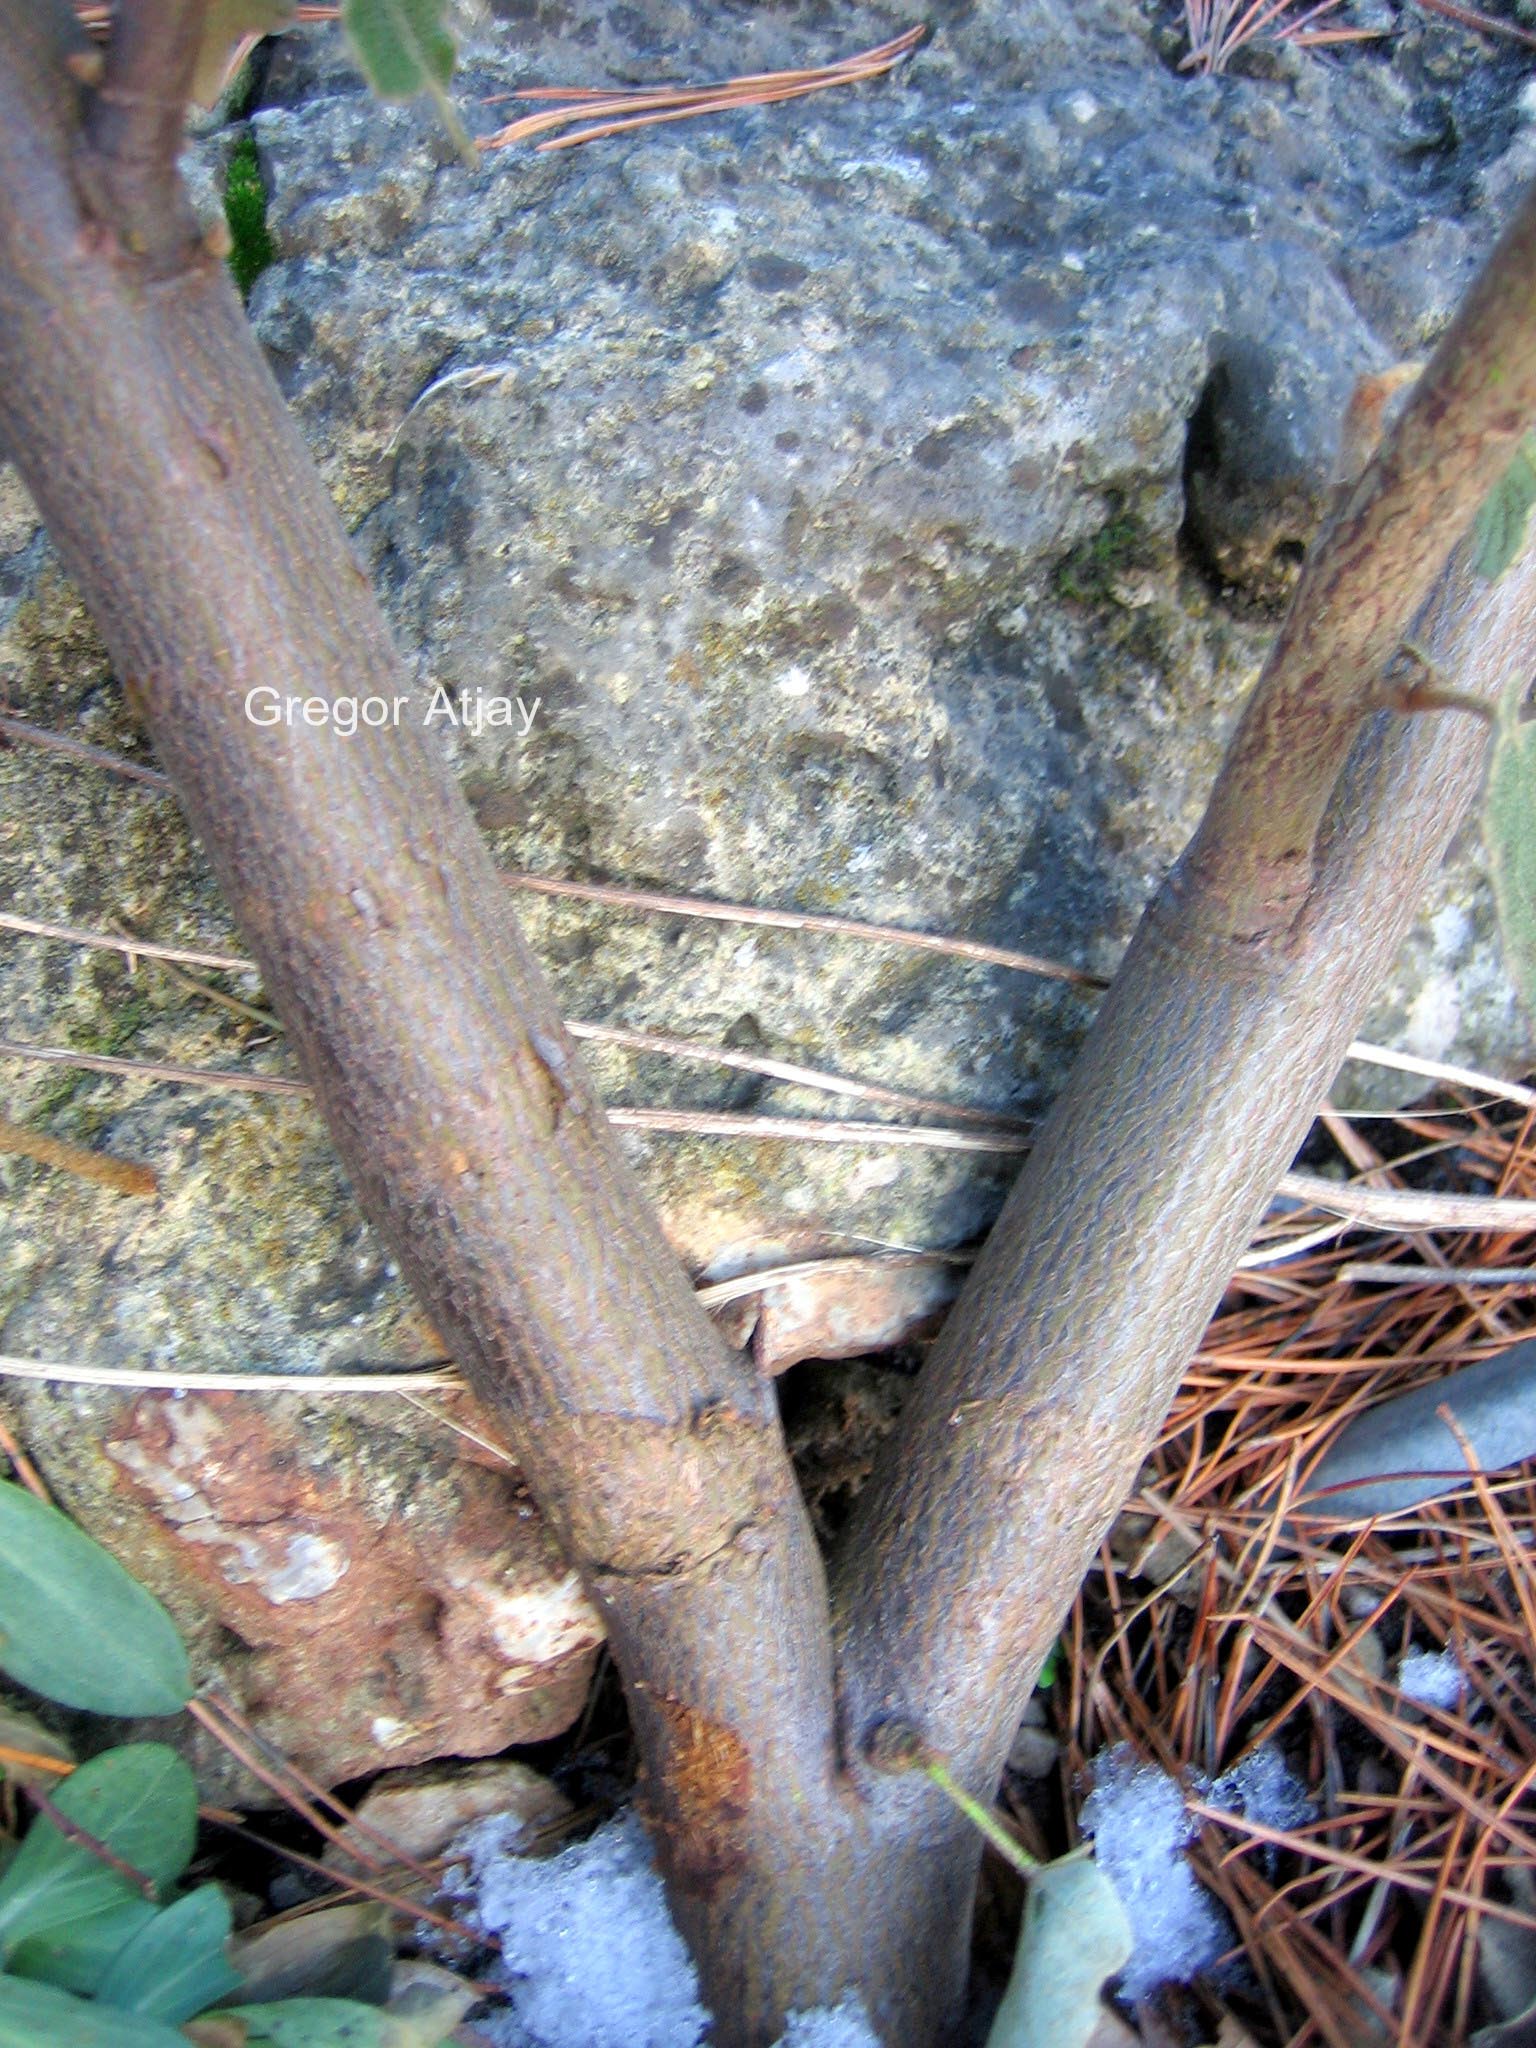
x=403 y=46
x=341 y=2023
x=1075 y=1936
x=140 y=1802
x=75 y=1954
x=1509 y=830
x=73 y=1625
x=34 y=2014
x=1499 y=530
x=175 y=1965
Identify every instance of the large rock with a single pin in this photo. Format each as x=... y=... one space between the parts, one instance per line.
x=878 y=499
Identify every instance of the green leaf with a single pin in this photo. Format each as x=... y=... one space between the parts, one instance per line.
x=176 y=1964
x=73 y=1625
x=1499 y=529
x=228 y=25
x=1075 y=1936
x=339 y=2023
x=138 y=1801
x=404 y=47
x=38 y=2016
x=77 y=1954
x=1509 y=831
x=310 y=2023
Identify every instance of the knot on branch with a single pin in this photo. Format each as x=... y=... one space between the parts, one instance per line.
x=894 y=1746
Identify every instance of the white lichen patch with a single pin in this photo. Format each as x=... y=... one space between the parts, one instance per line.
x=536 y=1626
x=282 y=1561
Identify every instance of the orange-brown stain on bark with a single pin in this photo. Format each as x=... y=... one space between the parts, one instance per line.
x=709 y=1783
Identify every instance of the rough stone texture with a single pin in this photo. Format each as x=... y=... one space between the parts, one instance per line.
x=881 y=497
x=421 y=1812
x=367 y=1594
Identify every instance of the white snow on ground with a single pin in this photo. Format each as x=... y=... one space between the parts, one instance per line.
x=591 y=1955
x=1433 y=1678
x=1140 y=1826
x=590 y=1958
x=1264 y=1787
x=843 y=2026
x=1136 y=1816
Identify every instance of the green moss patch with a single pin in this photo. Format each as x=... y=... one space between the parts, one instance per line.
x=245 y=208
x=1088 y=575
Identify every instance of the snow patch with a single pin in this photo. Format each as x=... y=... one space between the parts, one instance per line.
x=590 y=1955
x=1264 y=1787
x=1432 y=1678
x=842 y=2026
x=1140 y=1825
x=590 y=1958
x=1137 y=1818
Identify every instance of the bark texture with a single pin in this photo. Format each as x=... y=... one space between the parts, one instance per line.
x=1363 y=581
x=139 y=410
x=1225 y=1025
x=141 y=414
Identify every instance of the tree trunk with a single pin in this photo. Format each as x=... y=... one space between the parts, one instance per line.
x=139 y=410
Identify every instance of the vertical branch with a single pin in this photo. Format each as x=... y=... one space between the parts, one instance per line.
x=1253 y=854
x=141 y=415
x=1224 y=1026
x=1030 y=1418
x=134 y=125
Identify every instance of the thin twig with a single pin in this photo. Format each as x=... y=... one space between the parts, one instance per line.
x=639 y=108
x=476 y=1437
x=33 y=1760
x=82 y=1838
x=157 y=1070
x=1375 y=1273
x=1409 y=1208
x=22 y=1465
x=204 y=990
x=239 y=1741
x=439 y=1380
x=366 y=1887
x=804 y=921
x=112 y=942
x=1443 y=1071
x=1400 y=1208
x=816 y=1130
x=787 y=1071
x=391 y=1852
x=81 y=750
x=674 y=905
x=717 y=1293
x=122 y=1176
x=1474 y=17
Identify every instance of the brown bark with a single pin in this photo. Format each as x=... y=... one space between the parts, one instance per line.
x=1223 y=1029
x=142 y=416
x=1057 y=1365
x=183 y=501
x=1362 y=582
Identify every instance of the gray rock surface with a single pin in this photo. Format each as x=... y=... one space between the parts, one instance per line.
x=1401 y=1452
x=881 y=498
